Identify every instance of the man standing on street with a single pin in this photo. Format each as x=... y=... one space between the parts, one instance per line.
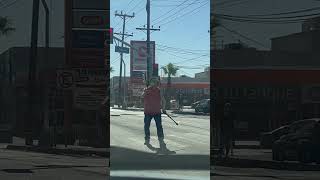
x=153 y=103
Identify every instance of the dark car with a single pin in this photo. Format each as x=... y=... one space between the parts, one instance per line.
x=268 y=138
x=298 y=145
x=203 y=106
x=194 y=105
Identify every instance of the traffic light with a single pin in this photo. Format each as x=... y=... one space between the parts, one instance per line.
x=111 y=35
x=155 y=70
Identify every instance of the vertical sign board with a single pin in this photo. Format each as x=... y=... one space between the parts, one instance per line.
x=90 y=25
x=86 y=26
x=138 y=62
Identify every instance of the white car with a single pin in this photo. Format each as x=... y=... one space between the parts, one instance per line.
x=174 y=104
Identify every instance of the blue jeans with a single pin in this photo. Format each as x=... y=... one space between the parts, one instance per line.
x=147 y=122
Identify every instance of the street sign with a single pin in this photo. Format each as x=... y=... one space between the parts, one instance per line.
x=90 y=19
x=89 y=58
x=65 y=79
x=89 y=98
x=88 y=39
x=137 y=74
x=139 y=67
x=91 y=4
x=120 y=49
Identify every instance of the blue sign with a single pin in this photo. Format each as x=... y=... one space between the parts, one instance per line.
x=88 y=39
x=137 y=74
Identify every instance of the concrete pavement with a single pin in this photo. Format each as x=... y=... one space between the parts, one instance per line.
x=189 y=140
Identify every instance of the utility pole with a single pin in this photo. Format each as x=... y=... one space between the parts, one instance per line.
x=32 y=73
x=123 y=34
x=149 y=63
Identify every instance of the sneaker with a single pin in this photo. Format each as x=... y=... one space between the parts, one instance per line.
x=147 y=141
x=162 y=145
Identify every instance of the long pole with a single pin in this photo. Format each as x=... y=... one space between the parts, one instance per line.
x=32 y=72
x=125 y=86
x=45 y=6
x=123 y=34
x=148 y=42
x=121 y=60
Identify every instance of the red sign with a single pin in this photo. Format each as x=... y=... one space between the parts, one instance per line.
x=91 y=20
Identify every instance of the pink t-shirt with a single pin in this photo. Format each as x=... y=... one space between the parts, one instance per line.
x=152 y=101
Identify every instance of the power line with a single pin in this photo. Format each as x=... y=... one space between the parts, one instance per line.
x=283 y=22
x=9 y=4
x=191 y=59
x=128 y=5
x=169 y=11
x=185 y=14
x=243 y=36
x=265 y=18
x=233 y=4
x=175 y=5
x=135 y=6
x=181 y=49
x=285 y=13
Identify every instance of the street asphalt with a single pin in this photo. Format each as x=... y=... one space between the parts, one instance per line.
x=228 y=173
x=131 y=159
x=19 y=165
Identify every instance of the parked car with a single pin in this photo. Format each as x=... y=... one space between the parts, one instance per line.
x=268 y=138
x=298 y=145
x=174 y=104
x=194 y=105
x=203 y=106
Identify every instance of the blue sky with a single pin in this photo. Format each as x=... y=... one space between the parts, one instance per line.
x=184 y=41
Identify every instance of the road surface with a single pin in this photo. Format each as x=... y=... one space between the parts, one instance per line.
x=131 y=159
x=18 y=165
x=228 y=173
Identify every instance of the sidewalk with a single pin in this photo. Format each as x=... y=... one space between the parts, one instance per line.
x=259 y=158
x=18 y=144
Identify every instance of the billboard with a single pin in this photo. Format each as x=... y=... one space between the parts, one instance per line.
x=138 y=56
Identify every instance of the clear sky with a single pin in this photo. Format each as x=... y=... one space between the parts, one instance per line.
x=183 y=39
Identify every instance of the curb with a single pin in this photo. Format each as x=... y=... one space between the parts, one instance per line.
x=129 y=109
x=277 y=165
x=190 y=113
x=59 y=151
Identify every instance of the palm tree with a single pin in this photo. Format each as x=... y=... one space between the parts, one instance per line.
x=169 y=70
x=5 y=26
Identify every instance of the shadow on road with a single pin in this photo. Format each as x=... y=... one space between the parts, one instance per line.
x=241 y=175
x=136 y=178
x=129 y=159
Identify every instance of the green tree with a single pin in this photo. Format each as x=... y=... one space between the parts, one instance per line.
x=5 y=26
x=169 y=70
